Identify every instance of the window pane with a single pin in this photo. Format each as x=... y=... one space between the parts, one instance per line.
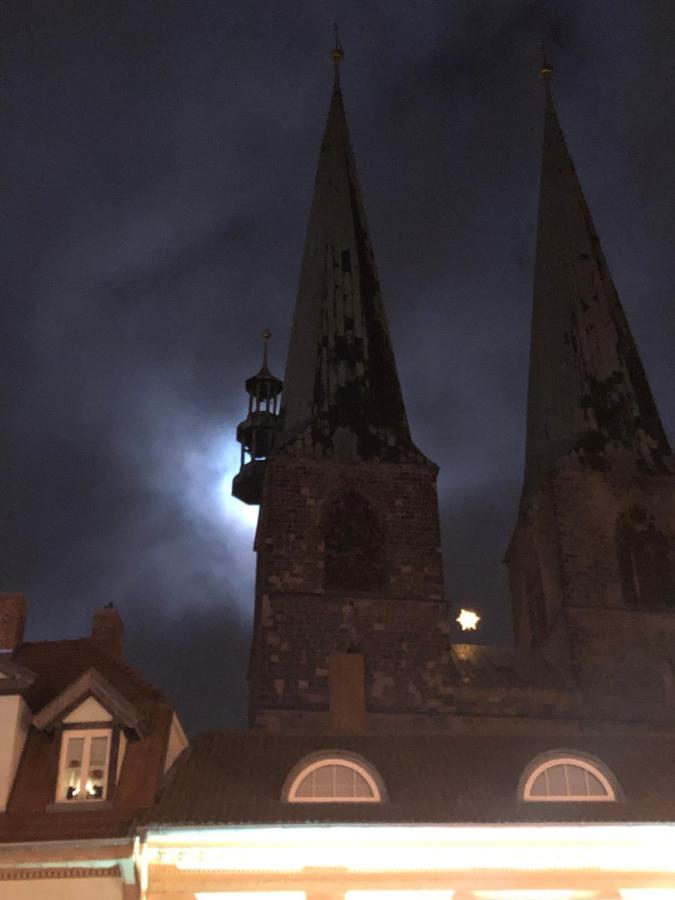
x=331 y=781
x=74 y=752
x=97 y=772
x=576 y=780
x=344 y=782
x=323 y=782
x=361 y=786
x=99 y=751
x=306 y=786
x=595 y=788
x=73 y=768
x=556 y=781
x=538 y=789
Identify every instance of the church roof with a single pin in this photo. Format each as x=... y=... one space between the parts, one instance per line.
x=342 y=394
x=589 y=399
x=238 y=778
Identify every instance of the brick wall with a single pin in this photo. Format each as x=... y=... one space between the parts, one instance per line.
x=563 y=559
x=402 y=626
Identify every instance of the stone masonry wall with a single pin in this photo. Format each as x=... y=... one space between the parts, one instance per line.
x=402 y=626
x=569 y=535
x=297 y=499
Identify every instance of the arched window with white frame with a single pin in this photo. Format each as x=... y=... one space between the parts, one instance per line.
x=334 y=777
x=565 y=776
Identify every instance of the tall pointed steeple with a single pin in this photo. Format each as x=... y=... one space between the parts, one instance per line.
x=589 y=401
x=342 y=395
x=348 y=536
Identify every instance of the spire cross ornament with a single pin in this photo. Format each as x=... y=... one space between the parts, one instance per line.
x=545 y=69
x=337 y=54
x=266 y=335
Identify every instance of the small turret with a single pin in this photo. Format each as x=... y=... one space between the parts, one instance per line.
x=256 y=432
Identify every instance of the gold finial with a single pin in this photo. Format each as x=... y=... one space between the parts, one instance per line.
x=545 y=69
x=337 y=54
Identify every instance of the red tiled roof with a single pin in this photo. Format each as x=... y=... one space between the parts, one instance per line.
x=59 y=663
x=238 y=779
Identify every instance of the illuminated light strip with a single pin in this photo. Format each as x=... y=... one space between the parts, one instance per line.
x=539 y=894
x=608 y=848
x=400 y=895
x=545 y=894
x=647 y=893
x=251 y=895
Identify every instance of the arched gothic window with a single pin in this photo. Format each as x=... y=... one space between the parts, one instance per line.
x=354 y=545
x=567 y=778
x=644 y=565
x=333 y=779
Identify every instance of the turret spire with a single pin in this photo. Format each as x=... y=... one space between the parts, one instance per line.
x=589 y=402
x=256 y=433
x=342 y=395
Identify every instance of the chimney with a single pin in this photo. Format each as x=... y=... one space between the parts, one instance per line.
x=108 y=630
x=347 y=702
x=12 y=620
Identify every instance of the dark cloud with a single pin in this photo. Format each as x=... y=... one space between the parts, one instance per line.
x=158 y=162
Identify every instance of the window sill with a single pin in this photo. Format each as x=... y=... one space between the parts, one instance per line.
x=78 y=805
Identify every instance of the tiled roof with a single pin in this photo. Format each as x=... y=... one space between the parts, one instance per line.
x=341 y=388
x=238 y=779
x=59 y=663
x=29 y=816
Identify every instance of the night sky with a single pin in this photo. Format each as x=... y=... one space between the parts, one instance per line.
x=158 y=160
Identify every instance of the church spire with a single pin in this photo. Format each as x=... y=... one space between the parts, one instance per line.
x=342 y=394
x=589 y=402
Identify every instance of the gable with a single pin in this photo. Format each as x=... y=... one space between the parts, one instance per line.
x=74 y=700
x=88 y=711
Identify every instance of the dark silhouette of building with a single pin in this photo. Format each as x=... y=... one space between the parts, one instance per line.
x=547 y=770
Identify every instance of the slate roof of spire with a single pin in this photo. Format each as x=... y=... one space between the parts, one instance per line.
x=342 y=394
x=589 y=400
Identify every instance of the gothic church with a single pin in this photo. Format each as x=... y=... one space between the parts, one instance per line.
x=383 y=761
x=349 y=567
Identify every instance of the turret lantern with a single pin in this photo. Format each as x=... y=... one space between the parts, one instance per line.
x=256 y=432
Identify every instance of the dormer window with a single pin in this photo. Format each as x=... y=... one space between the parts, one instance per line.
x=92 y=721
x=567 y=777
x=333 y=778
x=84 y=765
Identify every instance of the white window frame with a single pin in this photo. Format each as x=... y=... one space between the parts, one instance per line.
x=87 y=734
x=579 y=763
x=376 y=794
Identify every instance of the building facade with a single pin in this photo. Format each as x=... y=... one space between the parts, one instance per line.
x=382 y=759
x=84 y=742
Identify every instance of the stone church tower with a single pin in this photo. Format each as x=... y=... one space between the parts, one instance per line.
x=352 y=628
x=349 y=569
x=591 y=560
